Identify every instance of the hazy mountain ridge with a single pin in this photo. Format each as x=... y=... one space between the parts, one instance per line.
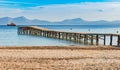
x=77 y=21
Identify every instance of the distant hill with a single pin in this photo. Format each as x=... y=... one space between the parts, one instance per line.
x=22 y=21
x=77 y=21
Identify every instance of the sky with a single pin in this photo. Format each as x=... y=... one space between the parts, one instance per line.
x=57 y=10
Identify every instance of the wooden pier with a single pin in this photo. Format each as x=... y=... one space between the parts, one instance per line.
x=85 y=38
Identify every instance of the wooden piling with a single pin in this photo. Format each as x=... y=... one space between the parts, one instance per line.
x=92 y=39
x=118 y=42
x=111 y=38
x=85 y=39
x=97 y=39
x=104 y=39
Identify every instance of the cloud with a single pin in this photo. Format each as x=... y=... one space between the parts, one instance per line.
x=12 y=4
x=100 y=10
x=57 y=12
x=113 y=0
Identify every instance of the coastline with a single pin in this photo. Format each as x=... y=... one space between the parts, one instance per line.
x=94 y=47
x=59 y=58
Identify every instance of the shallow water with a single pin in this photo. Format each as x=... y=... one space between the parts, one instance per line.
x=9 y=36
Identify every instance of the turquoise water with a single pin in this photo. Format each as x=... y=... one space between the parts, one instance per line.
x=9 y=36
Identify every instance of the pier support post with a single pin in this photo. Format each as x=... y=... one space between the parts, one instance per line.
x=80 y=37
x=74 y=36
x=118 y=42
x=70 y=36
x=85 y=39
x=66 y=36
x=58 y=35
x=92 y=39
x=97 y=39
x=104 y=39
x=111 y=38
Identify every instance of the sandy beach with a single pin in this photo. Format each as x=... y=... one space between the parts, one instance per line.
x=59 y=58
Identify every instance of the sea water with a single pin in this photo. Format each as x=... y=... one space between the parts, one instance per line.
x=9 y=36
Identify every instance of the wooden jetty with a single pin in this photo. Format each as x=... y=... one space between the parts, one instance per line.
x=85 y=38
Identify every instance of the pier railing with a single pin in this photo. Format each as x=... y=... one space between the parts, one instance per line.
x=86 y=38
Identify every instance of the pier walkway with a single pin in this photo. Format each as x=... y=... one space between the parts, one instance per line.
x=86 y=38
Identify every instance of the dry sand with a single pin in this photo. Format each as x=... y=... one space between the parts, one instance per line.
x=59 y=58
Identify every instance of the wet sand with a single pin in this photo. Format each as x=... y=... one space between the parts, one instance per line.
x=59 y=58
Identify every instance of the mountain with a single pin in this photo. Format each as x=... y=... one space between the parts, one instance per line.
x=22 y=21
x=40 y=22
x=5 y=20
x=77 y=21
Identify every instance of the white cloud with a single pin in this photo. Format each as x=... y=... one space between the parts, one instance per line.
x=89 y=11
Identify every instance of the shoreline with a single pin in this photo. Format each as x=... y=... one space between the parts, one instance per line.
x=59 y=58
x=63 y=47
